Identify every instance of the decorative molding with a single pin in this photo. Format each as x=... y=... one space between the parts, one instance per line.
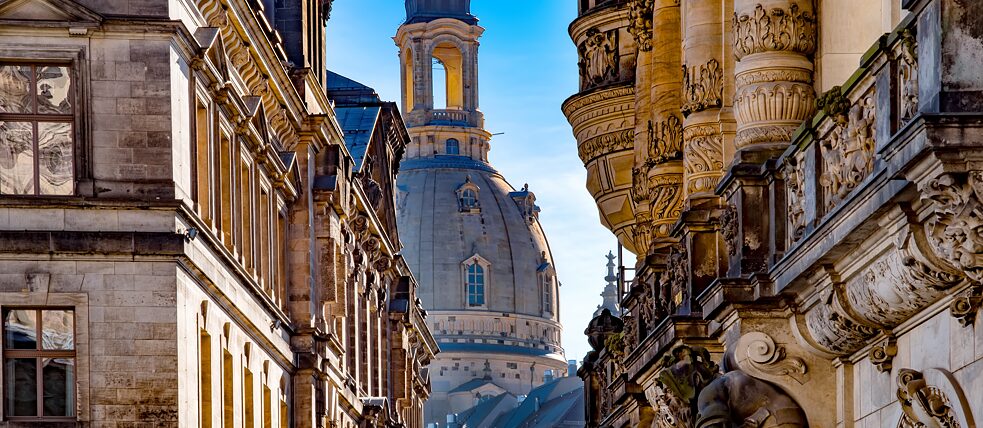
x=640 y=23
x=755 y=77
x=953 y=230
x=666 y=202
x=729 y=228
x=791 y=30
x=966 y=306
x=606 y=144
x=665 y=140
x=848 y=151
x=703 y=87
x=882 y=354
x=758 y=352
x=702 y=158
x=763 y=135
x=593 y=98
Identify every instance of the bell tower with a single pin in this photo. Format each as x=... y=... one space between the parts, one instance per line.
x=438 y=49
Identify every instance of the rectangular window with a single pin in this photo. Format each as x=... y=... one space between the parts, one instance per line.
x=37 y=137
x=264 y=241
x=224 y=178
x=476 y=285
x=245 y=193
x=205 y=372
x=228 y=407
x=203 y=162
x=248 y=400
x=39 y=364
x=267 y=407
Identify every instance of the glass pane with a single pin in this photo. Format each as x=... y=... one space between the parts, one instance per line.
x=15 y=89
x=20 y=329
x=59 y=386
x=57 y=330
x=54 y=84
x=56 y=158
x=16 y=158
x=20 y=378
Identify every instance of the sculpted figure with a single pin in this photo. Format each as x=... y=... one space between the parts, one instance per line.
x=736 y=400
x=600 y=55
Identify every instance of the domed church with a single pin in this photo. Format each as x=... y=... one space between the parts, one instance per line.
x=473 y=241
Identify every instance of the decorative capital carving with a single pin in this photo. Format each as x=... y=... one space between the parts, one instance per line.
x=791 y=30
x=665 y=140
x=966 y=306
x=882 y=354
x=703 y=87
x=757 y=351
x=640 y=23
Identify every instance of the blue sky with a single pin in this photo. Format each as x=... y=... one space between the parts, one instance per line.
x=527 y=68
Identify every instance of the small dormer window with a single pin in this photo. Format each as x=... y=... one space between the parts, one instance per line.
x=467 y=197
x=452 y=147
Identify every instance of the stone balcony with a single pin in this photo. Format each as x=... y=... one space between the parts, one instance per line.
x=445 y=117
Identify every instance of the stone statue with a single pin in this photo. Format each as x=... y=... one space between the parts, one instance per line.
x=736 y=400
x=600 y=55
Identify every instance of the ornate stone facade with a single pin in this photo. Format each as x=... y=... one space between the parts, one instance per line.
x=202 y=245
x=823 y=266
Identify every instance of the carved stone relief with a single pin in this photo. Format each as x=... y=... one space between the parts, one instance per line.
x=685 y=372
x=907 y=77
x=665 y=140
x=599 y=58
x=666 y=202
x=606 y=144
x=703 y=87
x=758 y=352
x=954 y=231
x=702 y=158
x=777 y=29
x=966 y=306
x=932 y=399
x=882 y=354
x=795 y=181
x=729 y=228
x=640 y=23
x=639 y=185
x=676 y=277
x=725 y=403
x=848 y=151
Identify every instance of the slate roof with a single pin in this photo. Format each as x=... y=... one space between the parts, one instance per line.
x=559 y=403
x=345 y=91
x=446 y=162
x=471 y=385
x=358 y=124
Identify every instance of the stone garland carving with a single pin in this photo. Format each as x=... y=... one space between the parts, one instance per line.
x=924 y=405
x=599 y=58
x=665 y=140
x=795 y=182
x=606 y=144
x=908 y=77
x=792 y=30
x=666 y=203
x=966 y=306
x=954 y=230
x=848 y=151
x=757 y=351
x=703 y=87
x=770 y=75
x=729 y=228
x=640 y=23
x=702 y=158
x=882 y=355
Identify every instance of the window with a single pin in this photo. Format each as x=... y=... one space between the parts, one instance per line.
x=476 y=285
x=205 y=373
x=228 y=407
x=36 y=130
x=39 y=364
x=547 y=294
x=469 y=199
x=452 y=147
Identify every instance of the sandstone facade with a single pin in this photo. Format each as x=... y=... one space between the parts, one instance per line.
x=183 y=207
x=803 y=202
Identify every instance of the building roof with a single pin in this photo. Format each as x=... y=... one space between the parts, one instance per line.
x=358 y=123
x=345 y=91
x=559 y=403
x=429 y=10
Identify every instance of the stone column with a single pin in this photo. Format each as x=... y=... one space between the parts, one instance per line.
x=773 y=41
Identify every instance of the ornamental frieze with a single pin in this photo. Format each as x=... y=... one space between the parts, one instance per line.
x=640 y=23
x=792 y=30
x=703 y=158
x=606 y=144
x=703 y=87
x=665 y=140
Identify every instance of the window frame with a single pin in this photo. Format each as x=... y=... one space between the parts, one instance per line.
x=40 y=354
x=35 y=118
x=478 y=283
x=456 y=145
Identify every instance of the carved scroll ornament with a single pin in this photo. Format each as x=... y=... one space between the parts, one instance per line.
x=665 y=140
x=702 y=158
x=703 y=87
x=932 y=400
x=666 y=202
x=792 y=30
x=966 y=305
x=758 y=352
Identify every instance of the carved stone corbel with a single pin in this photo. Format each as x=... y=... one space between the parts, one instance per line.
x=882 y=355
x=932 y=399
x=954 y=229
x=758 y=352
x=966 y=305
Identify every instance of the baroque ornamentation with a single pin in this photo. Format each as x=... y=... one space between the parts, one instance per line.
x=848 y=151
x=676 y=277
x=955 y=228
x=729 y=228
x=640 y=23
x=685 y=372
x=639 y=185
x=599 y=57
x=792 y=30
x=882 y=355
x=966 y=306
x=834 y=330
x=703 y=87
x=925 y=405
x=725 y=403
x=795 y=182
x=702 y=158
x=666 y=202
x=606 y=144
x=770 y=75
x=908 y=77
x=758 y=352
x=665 y=140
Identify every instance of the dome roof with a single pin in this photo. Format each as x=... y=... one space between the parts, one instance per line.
x=428 y=10
x=441 y=236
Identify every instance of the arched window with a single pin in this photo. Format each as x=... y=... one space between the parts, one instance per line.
x=476 y=285
x=452 y=147
x=447 y=75
x=467 y=197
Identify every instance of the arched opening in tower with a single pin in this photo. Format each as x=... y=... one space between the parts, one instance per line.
x=409 y=86
x=447 y=69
